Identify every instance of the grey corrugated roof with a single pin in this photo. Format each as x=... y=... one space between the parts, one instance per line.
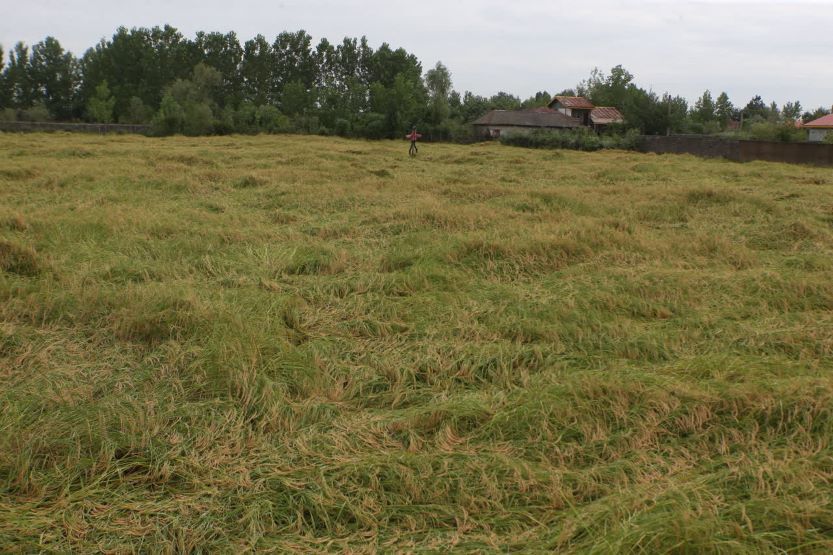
x=528 y=118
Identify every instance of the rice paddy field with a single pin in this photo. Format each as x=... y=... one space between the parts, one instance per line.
x=303 y=344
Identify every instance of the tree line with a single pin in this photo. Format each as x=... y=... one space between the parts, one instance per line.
x=653 y=114
x=213 y=84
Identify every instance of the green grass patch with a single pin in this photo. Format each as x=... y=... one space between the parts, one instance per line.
x=209 y=347
x=19 y=260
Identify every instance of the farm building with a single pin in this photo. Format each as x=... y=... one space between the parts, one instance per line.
x=502 y=123
x=574 y=106
x=597 y=117
x=601 y=117
x=819 y=129
x=564 y=112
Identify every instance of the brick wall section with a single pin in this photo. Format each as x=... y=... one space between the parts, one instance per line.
x=706 y=147
x=739 y=151
x=82 y=127
x=791 y=153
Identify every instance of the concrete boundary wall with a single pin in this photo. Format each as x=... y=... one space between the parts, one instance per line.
x=100 y=128
x=791 y=153
x=739 y=151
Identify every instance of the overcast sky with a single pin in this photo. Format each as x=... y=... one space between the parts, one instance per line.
x=782 y=50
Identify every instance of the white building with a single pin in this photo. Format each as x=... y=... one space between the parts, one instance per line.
x=819 y=129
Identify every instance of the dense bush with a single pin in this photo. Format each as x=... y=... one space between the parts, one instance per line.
x=38 y=112
x=343 y=127
x=271 y=120
x=579 y=139
x=703 y=128
x=137 y=112
x=449 y=130
x=170 y=118
x=784 y=132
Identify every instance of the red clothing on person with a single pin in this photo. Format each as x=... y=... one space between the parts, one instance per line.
x=413 y=136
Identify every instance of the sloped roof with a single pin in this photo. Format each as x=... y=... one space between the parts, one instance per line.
x=825 y=122
x=575 y=102
x=604 y=115
x=539 y=117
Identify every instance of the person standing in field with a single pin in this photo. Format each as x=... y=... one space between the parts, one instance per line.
x=413 y=136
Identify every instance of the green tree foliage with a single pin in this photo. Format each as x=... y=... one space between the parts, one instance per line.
x=5 y=93
x=129 y=64
x=578 y=139
x=791 y=110
x=297 y=99
x=100 y=106
x=207 y=84
x=704 y=109
x=438 y=83
x=672 y=114
x=213 y=84
x=723 y=109
x=256 y=71
x=20 y=82
x=755 y=109
x=294 y=62
x=774 y=113
x=171 y=117
x=189 y=105
x=539 y=100
x=398 y=98
x=199 y=119
x=816 y=114
x=343 y=83
x=138 y=63
x=270 y=120
x=616 y=89
x=386 y=64
x=174 y=55
x=137 y=112
x=472 y=107
x=504 y=101
x=48 y=77
x=642 y=110
x=782 y=131
x=36 y=112
x=402 y=104
x=225 y=55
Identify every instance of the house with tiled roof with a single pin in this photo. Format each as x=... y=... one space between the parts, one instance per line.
x=603 y=116
x=573 y=106
x=564 y=112
x=819 y=129
x=597 y=117
x=503 y=123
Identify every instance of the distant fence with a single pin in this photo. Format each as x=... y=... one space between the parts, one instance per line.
x=100 y=128
x=792 y=153
x=739 y=151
